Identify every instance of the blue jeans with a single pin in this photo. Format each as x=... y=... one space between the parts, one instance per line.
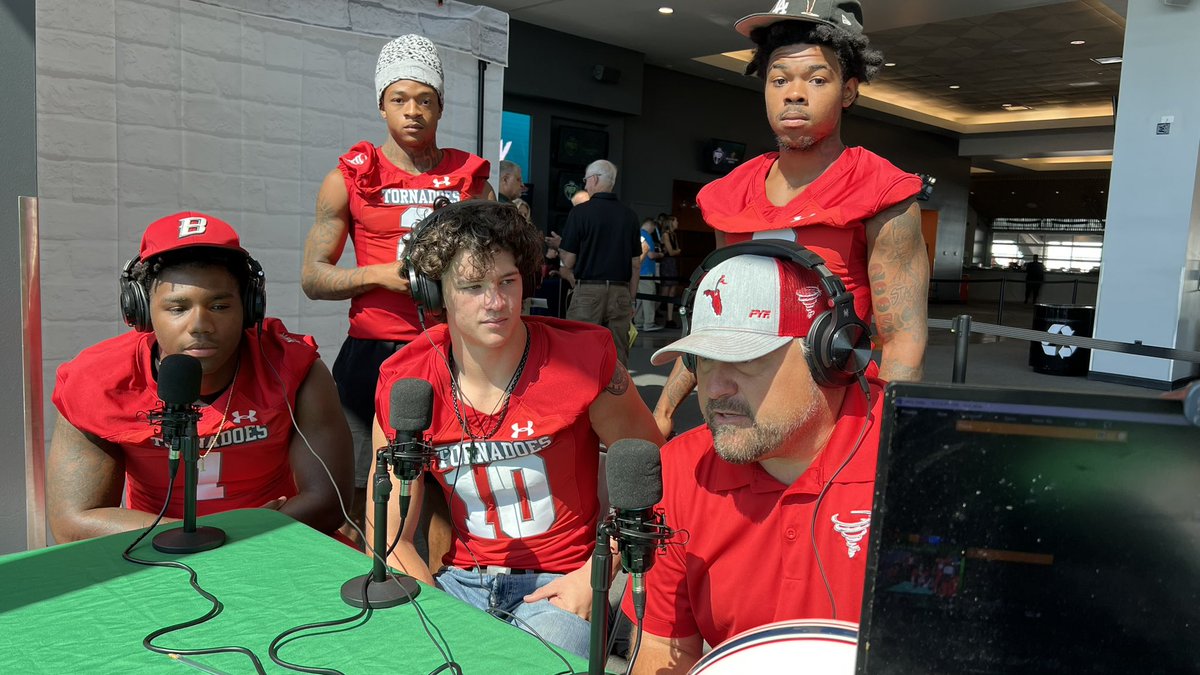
x=506 y=592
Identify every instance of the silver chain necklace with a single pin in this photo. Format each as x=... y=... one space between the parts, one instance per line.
x=463 y=421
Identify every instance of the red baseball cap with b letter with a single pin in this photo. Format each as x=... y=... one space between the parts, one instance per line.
x=186 y=229
x=746 y=307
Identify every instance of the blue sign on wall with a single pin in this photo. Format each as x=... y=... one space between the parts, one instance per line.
x=514 y=140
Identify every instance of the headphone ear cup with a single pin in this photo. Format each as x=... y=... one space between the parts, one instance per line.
x=254 y=300
x=425 y=292
x=689 y=362
x=135 y=305
x=837 y=354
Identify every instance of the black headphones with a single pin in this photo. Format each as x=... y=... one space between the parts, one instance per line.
x=135 y=299
x=839 y=342
x=426 y=291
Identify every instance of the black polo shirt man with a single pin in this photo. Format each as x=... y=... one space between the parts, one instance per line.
x=601 y=252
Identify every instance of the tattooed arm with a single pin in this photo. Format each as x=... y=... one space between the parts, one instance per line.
x=619 y=412
x=680 y=383
x=898 y=266
x=320 y=276
x=679 y=386
x=84 y=478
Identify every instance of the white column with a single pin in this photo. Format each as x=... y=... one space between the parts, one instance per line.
x=1149 y=279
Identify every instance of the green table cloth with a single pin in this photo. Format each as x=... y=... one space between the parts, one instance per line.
x=81 y=608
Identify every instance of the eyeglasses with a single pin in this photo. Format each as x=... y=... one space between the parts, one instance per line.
x=590 y=175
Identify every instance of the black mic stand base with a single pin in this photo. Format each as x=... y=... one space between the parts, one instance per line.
x=393 y=590
x=177 y=540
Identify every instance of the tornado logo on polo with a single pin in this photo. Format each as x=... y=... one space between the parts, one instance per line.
x=808 y=297
x=852 y=529
x=714 y=295
x=192 y=226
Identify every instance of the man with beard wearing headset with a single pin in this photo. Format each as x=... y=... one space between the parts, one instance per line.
x=775 y=490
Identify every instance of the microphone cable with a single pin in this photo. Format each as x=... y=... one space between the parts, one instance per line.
x=217 y=605
x=365 y=613
x=812 y=530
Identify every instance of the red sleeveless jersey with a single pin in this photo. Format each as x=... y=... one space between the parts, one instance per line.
x=108 y=389
x=828 y=217
x=525 y=497
x=385 y=203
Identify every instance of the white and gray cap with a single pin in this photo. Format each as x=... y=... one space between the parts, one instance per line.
x=746 y=307
x=408 y=57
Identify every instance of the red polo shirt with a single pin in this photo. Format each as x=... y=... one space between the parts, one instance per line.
x=747 y=558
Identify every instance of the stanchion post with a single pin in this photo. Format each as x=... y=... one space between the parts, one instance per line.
x=1000 y=307
x=962 y=339
x=1074 y=290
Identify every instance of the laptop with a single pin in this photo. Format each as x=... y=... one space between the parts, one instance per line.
x=1019 y=531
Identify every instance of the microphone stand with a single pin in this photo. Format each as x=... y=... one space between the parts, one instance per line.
x=601 y=582
x=185 y=441
x=382 y=588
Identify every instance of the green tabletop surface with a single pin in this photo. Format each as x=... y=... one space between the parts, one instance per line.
x=81 y=608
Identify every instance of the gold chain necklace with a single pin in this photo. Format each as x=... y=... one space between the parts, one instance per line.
x=221 y=427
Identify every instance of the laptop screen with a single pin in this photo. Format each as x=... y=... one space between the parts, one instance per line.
x=1033 y=532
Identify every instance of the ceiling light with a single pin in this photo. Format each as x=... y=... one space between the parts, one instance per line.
x=1090 y=83
x=1079 y=42
x=1107 y=60
x=1014 y=108
x=954 y=86
x=889 y=64
x=665 y=10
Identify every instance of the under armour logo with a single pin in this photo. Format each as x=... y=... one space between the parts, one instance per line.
x=808 y=296
x=517 y=429
x=357 y=160
x=714 y=295
x=852 y=531
x=251 y=416
x=799 y=218
x=442 y=182
x=192 y=226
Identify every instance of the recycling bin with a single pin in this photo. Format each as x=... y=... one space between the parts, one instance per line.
x=1052 y=359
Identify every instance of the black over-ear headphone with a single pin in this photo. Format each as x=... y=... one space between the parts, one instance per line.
x=839 y=342
x=135 y=299
x=426 y=291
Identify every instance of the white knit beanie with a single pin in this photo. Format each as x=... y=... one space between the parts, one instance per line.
x=408 y=57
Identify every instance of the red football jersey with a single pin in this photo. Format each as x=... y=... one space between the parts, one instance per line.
x=747 y=558
x=385 y=203
x=108 y=389
x=526 y=496
x=828 y=217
